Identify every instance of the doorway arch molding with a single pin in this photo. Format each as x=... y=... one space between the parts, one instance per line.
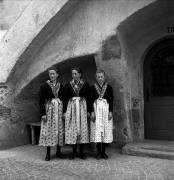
x=158 y=88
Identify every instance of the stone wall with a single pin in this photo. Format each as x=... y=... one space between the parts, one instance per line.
x=11 y=11
x=13 y=129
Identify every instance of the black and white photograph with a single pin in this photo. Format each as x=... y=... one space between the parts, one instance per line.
x=86 y=89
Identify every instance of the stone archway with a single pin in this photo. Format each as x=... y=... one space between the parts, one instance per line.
x=28 y=98
x=26 y=103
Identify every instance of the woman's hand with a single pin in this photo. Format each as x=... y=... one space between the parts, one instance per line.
x=93 y=116
x=110 y=115
x=64 y=115
x=88 y=114
x=44 y=118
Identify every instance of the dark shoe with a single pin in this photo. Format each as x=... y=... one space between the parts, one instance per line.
x=73 y=156
x=104 y=156
x=60 y=155
x=47 y=158
x=98 y=156
x=82 y=156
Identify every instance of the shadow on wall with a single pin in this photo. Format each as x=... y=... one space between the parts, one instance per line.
x=28 y=98
x=111 y=48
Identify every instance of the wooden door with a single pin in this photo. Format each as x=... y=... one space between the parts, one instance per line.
x=159 y=91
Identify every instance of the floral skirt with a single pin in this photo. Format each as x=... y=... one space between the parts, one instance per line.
x=76 y=125
x=52 y=131
x=102 y=128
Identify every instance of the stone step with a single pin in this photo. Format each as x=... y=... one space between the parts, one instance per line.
x=150 y=148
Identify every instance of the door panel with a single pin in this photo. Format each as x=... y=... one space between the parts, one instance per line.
x=162 y=113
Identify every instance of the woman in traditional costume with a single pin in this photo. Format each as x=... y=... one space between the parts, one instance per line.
x=101 y=116
x=78 y=108
x=51 y=98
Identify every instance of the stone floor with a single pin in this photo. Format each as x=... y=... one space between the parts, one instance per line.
x=27 y=163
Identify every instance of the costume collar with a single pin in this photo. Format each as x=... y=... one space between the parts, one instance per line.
x=101 y=85
x=55 y=88
x=101 y=90
x=77 y=87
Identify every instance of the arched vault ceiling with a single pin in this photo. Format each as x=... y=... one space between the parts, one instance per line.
x=48 y=19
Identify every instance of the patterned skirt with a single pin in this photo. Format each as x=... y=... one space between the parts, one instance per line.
x=52 y=131
x=102 y=128
x=76 y=125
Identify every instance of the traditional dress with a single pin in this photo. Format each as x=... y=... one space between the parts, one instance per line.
x=51 y=99
x=102 y=99
x=76 y=124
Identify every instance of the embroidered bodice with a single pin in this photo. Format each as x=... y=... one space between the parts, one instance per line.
x=77 y=86
x=100 y=89
x=55 y=88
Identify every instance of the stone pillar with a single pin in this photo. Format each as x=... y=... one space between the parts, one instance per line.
x=110 y=60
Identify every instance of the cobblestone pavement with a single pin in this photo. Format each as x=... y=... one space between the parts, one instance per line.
x=27 y=163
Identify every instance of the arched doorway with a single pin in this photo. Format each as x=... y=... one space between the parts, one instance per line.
x=159 y=91
x=27 y=99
